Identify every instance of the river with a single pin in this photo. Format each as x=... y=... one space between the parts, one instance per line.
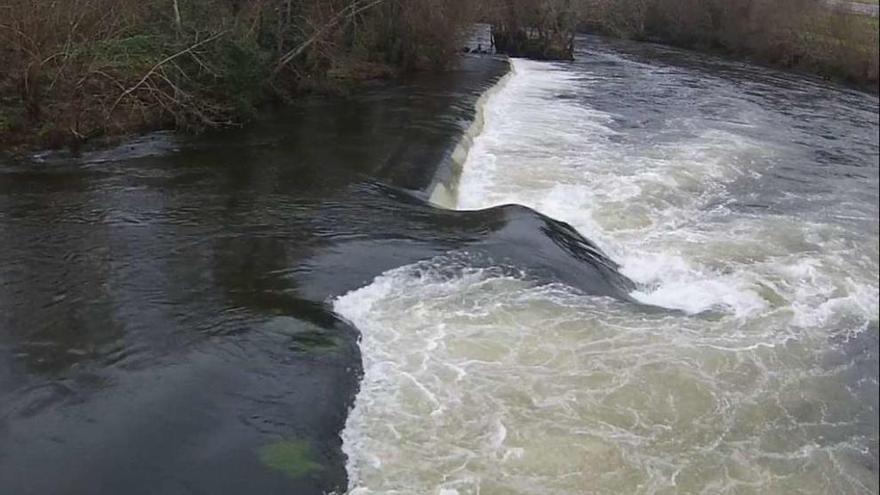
x=646 y=271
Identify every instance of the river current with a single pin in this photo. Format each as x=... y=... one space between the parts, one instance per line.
x=645 y=271
x=743 y=201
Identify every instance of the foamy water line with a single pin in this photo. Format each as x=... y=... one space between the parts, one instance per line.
x=444 y=191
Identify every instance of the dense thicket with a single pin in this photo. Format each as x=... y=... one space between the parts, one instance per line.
x=73 y=69
x=805 y=34
x=542 y=29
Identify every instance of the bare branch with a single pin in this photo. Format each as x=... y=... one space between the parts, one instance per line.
x=345 y=14
x=160 y=64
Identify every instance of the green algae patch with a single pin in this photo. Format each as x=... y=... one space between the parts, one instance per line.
x=293 y=457
x=314 y=343
x=304 y=338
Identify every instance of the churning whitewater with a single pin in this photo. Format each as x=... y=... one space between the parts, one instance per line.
x=742 y=201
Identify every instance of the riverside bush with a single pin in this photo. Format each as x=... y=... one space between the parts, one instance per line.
x=76 y=69
x=805 y=34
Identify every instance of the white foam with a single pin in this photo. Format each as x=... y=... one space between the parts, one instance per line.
x=642 y=206
x=479 y=382
x=444 y=190
x=482 y=383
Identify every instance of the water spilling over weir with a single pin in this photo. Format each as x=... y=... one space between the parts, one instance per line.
x=743 y=201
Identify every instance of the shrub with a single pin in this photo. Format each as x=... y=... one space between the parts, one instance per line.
x=793 y=33
x=80 y=68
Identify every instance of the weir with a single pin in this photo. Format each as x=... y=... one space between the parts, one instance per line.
x=443 y=191
x=717 y=203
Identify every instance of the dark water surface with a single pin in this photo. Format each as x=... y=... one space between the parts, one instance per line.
x=162 y=305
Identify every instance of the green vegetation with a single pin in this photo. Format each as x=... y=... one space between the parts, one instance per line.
x=314 y=342
x=77 y=69
x=800 y=34
x=293 y=457
x=536 y=29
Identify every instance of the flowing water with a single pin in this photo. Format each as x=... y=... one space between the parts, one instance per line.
x=742 y=203
x=647 y=271
x=164 y=325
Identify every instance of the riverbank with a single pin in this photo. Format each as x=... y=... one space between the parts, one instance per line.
x=802 y=35
x=63 y=124
x=93 y=71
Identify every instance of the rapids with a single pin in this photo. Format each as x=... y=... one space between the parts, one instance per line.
x=742 y=200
